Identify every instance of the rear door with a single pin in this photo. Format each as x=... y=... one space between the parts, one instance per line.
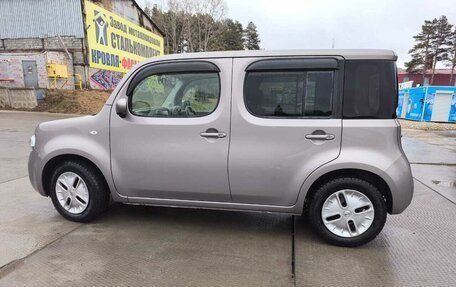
x=285 y=124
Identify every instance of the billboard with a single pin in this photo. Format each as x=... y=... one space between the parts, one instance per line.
x=116 y=44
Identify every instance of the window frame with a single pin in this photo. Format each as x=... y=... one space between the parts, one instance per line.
x=314 y=64
x=169 y=68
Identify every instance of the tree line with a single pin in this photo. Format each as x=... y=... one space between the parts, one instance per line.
x=201 y=25
x=436 y=43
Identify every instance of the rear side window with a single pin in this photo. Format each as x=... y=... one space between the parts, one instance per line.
x=289 y=94
x=370 y=90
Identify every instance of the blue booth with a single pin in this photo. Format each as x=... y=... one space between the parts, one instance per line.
x=430 y=104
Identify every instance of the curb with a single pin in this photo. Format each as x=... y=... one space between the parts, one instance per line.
x=43 y=113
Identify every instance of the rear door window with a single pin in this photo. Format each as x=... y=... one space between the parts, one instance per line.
x=289 y=94
x=370 y=90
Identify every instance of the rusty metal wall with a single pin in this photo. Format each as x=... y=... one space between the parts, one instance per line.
x=40 y=18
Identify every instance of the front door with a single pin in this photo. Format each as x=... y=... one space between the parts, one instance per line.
x=285 y=124
x=173 y=143
x=30 y=74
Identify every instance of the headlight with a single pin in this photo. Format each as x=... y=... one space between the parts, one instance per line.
x=32 y=141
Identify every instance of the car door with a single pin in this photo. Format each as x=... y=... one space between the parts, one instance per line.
x=285 y=124
x=173 y=141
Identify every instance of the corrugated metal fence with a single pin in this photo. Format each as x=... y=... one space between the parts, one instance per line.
x=40 y=18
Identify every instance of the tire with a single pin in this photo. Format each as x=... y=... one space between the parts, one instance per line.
x=91 y=186
x=350 y=225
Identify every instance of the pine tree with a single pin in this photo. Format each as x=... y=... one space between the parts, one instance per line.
x=251 y=37
x=421 y=51
x=440 y=42
x=231 y=38
x=452 y=54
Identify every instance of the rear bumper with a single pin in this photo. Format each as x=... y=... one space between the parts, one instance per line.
x=400 y=182
x=35 y=171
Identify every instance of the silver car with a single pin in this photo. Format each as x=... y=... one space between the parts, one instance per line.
x=309 y=132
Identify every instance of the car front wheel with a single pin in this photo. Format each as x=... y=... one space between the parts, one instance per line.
x=78 y=191
x=347 y=211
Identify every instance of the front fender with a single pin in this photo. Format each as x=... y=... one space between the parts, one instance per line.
x=86 y=137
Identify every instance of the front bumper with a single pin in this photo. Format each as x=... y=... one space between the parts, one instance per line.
x=35 y=172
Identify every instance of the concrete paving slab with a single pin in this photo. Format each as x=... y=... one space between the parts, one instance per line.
x=141 y=246
x=442 y=139
x=440 y=178
x=421 y=151
x=131 y=245
x=179 y=247
x=15 y=131
x=416 y=248
x=28 y=222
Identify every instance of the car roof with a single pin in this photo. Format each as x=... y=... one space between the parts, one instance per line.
x=348 y=54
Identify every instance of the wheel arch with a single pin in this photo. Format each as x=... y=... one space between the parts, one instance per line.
x=54 y=162
x=368 y=176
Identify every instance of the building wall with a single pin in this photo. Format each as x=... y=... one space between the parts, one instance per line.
x=35 y=30
x=439 y=79
x=40 y=44
x=44 y=51
x=11 y=67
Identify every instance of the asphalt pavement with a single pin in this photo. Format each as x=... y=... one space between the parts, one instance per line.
x=156 y=246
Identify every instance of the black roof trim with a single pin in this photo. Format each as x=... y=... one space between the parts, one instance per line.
x=294 y=64
x=171 y=67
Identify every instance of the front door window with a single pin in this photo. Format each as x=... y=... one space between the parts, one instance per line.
x=176 y=95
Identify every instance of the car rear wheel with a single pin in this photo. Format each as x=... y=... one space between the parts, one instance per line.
x=78 y=191
x=347 y=211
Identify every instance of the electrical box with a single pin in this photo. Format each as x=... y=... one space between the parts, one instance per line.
x=57 y=70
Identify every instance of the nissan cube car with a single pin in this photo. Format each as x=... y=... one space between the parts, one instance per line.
x=310 y=132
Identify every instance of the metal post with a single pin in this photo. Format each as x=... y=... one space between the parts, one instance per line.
x=85 y=48
x=424 y=103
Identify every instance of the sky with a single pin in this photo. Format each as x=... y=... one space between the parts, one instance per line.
x=320 y=24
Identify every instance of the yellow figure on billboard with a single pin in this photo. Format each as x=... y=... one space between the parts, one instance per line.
x=116 y=44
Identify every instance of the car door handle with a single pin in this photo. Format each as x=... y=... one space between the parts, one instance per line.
x=217 y=135
x=326 y=137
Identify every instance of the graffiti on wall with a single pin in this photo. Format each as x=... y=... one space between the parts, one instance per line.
x=429 y=103
x=106 y=80
x=430 y=106
x=5 y=69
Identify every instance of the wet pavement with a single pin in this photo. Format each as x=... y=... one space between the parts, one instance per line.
x=134 y=245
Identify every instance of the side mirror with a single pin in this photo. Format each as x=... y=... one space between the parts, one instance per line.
x=121 y=107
